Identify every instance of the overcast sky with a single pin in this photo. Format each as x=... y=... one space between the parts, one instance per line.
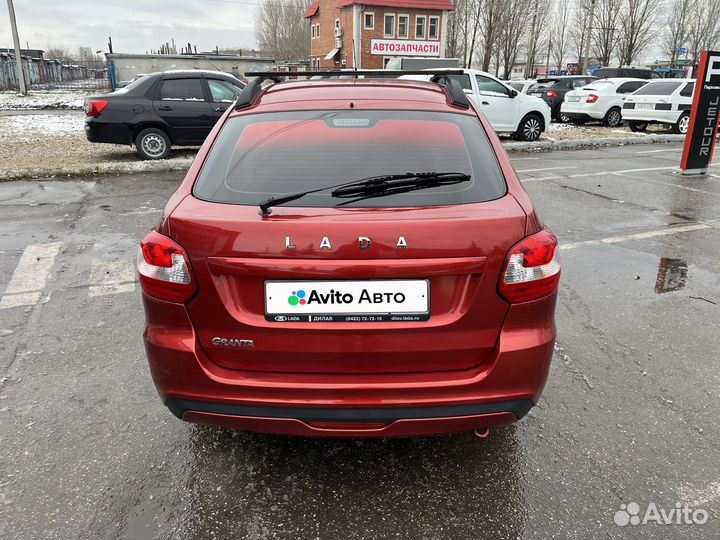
x=135 y=25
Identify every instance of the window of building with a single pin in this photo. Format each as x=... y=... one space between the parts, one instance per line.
x=317 y=30
x=369 y=21
x=312 y=31
x=337 y=23
x=389 y=25
x=420 y=27
x=403 y=23
x=433 y=27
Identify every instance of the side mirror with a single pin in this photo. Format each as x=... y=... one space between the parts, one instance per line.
x=468 y=91
x=513 y=93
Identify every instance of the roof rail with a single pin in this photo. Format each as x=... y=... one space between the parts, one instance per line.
x=440 y=76
x=252 y=90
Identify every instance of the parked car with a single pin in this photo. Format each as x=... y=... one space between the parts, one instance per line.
x=667 y=101
x=160 y=110
x=625 y=72
x=600 y=100
x=308 y=276
x=507 y=110
x=553 y=89
x=521 y=86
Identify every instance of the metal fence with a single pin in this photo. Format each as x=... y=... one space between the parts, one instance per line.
x=57 y=75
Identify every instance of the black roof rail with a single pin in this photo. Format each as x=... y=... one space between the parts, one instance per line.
x=440 y=76
x=253 y=88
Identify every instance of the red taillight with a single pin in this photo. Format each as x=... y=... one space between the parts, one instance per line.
x=551 y=94
x=592 y=98
x=164 y=270
x=94 y=107
x=532 y=269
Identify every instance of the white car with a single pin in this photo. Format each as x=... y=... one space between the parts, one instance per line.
x=664 y=101
x=521 y=86
x=600 y=100
x=507 y=110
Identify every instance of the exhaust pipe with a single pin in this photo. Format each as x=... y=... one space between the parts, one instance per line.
x=482 y=433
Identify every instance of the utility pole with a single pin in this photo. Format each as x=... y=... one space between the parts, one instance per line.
x=584 y=60
x=16 y=42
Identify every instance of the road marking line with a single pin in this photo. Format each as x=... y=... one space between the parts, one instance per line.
x=547 y=169
x=524 y=158
x=700 y=497
x=31 y=275
x=658 y=151
x=603 y=173
x=111 y=277
x=637 y=236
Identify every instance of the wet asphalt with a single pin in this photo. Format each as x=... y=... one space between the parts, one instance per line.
x=629 y=412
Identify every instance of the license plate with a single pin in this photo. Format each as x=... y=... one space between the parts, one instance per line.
x=347 y=301
x=645 y=106
x=572 y=99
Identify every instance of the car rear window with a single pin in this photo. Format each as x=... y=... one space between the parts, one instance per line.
x=598 y=85
x=659 y=88
x=257 y=156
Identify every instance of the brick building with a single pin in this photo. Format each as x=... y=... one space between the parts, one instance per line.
x=367 y=33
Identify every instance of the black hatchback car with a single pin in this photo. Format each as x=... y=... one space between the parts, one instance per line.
x=161 y=109
x=552 y=90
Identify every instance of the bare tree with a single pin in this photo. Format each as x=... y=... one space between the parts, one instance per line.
x=539 y=12
x=282 y=31
x=560 y=35
x=490 y=20
x=703 y=28
x=579 y=29
x=604 y=28
x=637 y=22
x=676 y=29
x=58 y=52
x=514 y=17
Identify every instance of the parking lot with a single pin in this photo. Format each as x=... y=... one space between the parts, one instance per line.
x=629 y=413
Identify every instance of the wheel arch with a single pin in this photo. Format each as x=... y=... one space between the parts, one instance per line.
x=140 y=126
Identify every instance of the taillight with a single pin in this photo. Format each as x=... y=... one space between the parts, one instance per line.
x=551 y=94
x=532 y=269
x=592 y=98
x=164 y=270
x=94 y=107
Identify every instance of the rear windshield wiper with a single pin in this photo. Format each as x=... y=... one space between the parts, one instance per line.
x=375 y=186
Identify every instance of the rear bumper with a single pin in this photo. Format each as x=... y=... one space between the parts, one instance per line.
x=499 y=391
x=581 y=111
x=342 y=422
x=107 y=132
x=651 y=116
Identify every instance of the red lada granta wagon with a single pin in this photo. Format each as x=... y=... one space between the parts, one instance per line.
x=350 y=258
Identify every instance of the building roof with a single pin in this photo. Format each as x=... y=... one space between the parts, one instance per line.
x=440 y=5
x=312 y=10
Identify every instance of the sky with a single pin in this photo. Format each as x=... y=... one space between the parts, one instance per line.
x=135 y=25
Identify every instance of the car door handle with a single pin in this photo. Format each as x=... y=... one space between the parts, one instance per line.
x=165 y=108
x=220 y=109
x=485 y=103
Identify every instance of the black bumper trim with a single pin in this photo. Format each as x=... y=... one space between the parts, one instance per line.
x=581 y=116
x=518 y=407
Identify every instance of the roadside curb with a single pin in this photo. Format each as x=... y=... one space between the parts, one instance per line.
x=182 y=163
x=581 y=144
x=176 y=164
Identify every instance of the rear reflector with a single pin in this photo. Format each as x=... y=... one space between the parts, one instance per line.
x=94 y=107
x=164 y=270
x=532 y=269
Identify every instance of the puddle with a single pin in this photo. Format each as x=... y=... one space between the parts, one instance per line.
x=671 y=275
